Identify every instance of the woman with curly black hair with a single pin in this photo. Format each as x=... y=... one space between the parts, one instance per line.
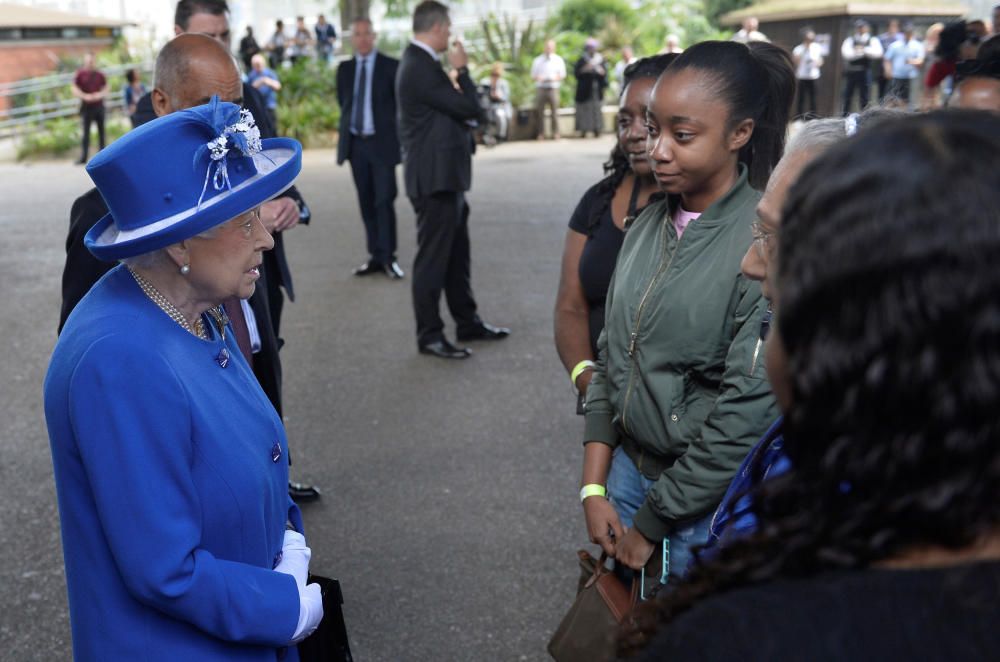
x=883 y=540
x=596 y=229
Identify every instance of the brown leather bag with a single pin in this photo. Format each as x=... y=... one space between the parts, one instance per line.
x=587 y=632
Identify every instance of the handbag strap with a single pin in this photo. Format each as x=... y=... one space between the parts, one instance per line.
x=635 y=592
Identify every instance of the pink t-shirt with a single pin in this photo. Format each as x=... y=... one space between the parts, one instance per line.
x=682 y=218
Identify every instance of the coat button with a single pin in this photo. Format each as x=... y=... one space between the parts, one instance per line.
x=275 y=452
x=673 y=417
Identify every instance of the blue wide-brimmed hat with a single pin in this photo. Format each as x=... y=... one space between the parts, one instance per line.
x=182 y=174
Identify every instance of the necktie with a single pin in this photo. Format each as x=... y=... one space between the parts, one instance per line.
x=358 y=116
x=235 y=314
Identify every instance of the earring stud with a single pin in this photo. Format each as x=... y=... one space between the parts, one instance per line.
x=186 y=269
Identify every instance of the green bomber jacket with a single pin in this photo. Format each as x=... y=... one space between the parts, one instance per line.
x=680 y=381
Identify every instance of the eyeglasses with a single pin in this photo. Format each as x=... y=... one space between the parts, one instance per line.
x=763 y=240
x=248 y=222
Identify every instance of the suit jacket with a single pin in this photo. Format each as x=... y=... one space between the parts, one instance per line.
x=383 y=103
x=437 y=149
x=274 y=260
x=82 y=270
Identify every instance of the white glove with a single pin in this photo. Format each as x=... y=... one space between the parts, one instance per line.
x=310 y=611
x=295 y=557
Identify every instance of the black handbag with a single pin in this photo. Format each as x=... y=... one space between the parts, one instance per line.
x=329 y=642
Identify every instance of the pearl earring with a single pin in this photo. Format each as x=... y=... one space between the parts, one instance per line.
x=186 y=269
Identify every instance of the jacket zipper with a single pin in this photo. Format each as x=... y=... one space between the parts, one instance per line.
x=638 y=316
x=765 y=327
x=756 y=353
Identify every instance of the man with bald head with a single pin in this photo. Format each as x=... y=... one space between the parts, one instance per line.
x=190 y=70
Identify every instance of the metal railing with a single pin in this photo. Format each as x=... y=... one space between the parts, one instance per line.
x=17 y=120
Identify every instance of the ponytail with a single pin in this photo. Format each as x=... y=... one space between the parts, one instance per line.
x=757 y=81
x=767 y=143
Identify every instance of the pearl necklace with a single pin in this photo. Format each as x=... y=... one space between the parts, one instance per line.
x=164 y=304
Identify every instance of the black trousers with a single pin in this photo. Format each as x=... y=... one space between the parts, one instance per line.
x=275 y=298
x=883 y=86
x=860 y=81
x=376 y=185
x=807 y=99
x=899 y=89
x=90 y=114
x=442 y=263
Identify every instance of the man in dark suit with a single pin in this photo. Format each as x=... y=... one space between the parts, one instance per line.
x=366 y=92
x=437 y=158
x=189 y=69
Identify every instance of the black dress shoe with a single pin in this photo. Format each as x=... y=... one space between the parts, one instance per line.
x=444 y=350
x=369 y=267
x=484 y=331
x=300 y=492
x=393 y=271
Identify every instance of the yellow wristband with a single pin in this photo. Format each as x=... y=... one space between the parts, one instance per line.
x=579 y=368
x=592 y=489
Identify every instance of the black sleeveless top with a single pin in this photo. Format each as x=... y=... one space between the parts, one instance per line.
x=600 y=253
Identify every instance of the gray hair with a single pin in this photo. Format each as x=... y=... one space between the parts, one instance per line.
x=150 y=260
x=819 y=135
x=159 y=258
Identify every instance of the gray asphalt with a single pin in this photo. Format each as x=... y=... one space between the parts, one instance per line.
x=449 y=508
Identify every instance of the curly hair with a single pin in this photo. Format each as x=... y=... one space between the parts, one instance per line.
x=890 y=318
x=617 y=167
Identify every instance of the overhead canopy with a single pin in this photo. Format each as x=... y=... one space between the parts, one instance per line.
x=792 y=10
x=22 y=16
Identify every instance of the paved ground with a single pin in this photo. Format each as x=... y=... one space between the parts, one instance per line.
x=449 y=510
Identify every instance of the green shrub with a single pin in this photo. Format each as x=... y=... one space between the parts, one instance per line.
x=590 y=16
x=307 y=103
x=500 y=39
x=61 y=136
x=685 y=18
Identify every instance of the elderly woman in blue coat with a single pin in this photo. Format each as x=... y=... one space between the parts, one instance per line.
x=170 y=463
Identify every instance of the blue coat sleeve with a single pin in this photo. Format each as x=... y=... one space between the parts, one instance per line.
x=132 y=423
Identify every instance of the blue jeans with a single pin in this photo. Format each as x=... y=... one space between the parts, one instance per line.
x=627 y=489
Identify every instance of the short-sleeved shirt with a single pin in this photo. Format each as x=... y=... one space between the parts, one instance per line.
x=810 y=56
x=266 y=92
x=600 y=253
x=550 y=67
x=90 y=81
x=898 y=54
x=129 y=95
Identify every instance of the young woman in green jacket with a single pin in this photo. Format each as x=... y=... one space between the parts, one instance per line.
x=679 y=394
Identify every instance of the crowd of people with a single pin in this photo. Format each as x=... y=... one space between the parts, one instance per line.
x=783 y=353
x=320 y=42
